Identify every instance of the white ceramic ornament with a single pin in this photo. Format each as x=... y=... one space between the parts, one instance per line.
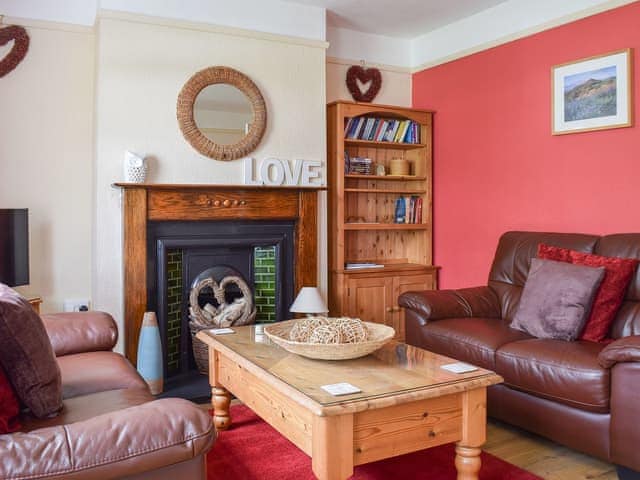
x=135 y=167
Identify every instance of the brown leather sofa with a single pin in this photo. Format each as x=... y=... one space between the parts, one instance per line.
x=110 y=426
x=582 y=394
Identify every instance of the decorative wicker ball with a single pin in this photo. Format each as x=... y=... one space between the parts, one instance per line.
x=325 y=334
x=352 y=330
x=324 y=330
x=303 y=329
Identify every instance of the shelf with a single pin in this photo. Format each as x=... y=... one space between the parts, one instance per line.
x=388 y=178
x=378 y=190
x=389 y=145
x=386 y=226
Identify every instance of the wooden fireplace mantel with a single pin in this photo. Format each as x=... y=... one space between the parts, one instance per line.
x=144 y=202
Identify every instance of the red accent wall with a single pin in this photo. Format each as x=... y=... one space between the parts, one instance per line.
x=496 y=165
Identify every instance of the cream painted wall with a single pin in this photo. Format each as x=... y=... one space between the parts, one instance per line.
x=395 y=89
x=46 y=157
x=141 y=67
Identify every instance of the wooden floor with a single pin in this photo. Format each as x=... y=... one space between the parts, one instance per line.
x=543 y=457
x=538 y=455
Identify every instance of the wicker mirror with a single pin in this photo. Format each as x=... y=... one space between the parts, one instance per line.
x=221 y=113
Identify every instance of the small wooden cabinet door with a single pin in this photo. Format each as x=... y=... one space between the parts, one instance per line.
x=407 y=283
x=371 y=299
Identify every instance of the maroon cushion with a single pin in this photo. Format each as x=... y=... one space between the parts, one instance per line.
x=557 y=299
x=618 y=274
x=9 y=406
x=26 y=355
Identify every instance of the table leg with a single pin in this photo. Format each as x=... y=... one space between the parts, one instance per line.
x=474 y=425
x=332 y=447
x=220 y=399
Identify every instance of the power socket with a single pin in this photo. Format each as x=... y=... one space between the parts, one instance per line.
x=79 y=305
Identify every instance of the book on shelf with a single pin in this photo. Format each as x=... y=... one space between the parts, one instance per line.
x=380 y=129
x=408 y=209
x=356 y=266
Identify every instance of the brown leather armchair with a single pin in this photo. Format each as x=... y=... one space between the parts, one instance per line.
x=110 y=426
x=582 y=394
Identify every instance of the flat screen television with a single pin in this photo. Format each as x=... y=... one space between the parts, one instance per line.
x=14 y=246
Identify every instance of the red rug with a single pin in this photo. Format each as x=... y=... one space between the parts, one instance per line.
x=252 y=450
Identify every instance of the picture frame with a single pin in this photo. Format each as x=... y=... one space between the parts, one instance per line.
x=593 y=93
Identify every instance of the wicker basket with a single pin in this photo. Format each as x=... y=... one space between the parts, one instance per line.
x=378 y=335
x=200 y=349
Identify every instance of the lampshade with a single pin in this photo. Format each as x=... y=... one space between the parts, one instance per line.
x=14 y=246
x=309 y=301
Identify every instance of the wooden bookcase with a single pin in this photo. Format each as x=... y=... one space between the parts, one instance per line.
x=361 y=218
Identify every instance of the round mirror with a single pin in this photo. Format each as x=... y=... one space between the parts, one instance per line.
x=221 y=113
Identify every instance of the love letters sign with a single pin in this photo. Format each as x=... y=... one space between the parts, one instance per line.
x=274 y=171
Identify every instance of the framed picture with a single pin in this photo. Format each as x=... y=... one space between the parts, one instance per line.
x=592 y=94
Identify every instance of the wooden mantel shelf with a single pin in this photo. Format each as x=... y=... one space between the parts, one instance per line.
x=157 y=202
x=209 y=186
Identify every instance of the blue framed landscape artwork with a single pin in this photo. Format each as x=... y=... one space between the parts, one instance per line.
x=592 y=94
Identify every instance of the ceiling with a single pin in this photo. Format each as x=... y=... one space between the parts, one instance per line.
x=397 y=18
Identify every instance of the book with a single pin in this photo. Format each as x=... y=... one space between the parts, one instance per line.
x=360 y=125
x=355 y=266
x=382 y=130
x=374 y=129
x=353 y=127
x=347 y=125
x=403 y=131
x=419 y=210
x=400 y=211
x=407 y=207
x=392 y=133
x=368 y=128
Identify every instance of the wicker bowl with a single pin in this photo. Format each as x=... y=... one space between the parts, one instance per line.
x=378 y=335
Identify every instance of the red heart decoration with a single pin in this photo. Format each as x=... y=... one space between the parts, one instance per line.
x=372 y=75
x=19 y=50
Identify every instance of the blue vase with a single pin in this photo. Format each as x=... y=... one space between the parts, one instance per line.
x=150 y=353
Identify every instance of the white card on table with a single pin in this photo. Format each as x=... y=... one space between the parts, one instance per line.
x=221 y=331
x=459 y=367
x=340 y=388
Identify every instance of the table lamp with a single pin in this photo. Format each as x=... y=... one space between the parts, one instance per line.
x=309 y=301
x=14 y=246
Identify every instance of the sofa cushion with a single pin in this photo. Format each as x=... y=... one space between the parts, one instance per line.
x=565 y=372
x=26 y=355
x=557 y=299
x=9 y=406
x=618 y=274
x=85 y=373
x=86 y=407
x=471 y=340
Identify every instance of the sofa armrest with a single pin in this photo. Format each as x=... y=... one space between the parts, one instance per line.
x=625 y=349
x=78 y=332
x=114 y=445
x=465 y=302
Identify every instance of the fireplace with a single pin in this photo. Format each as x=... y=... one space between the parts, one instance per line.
x=146 y=207
x=180 y=254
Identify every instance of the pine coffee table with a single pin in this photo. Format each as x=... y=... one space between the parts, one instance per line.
x=407 y=401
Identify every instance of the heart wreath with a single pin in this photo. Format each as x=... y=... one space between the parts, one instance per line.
x=373 y=75
x=19 y=50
